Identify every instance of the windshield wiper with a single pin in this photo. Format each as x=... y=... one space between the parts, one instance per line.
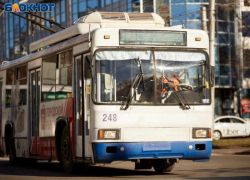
x=135 y=84
x=184 y=105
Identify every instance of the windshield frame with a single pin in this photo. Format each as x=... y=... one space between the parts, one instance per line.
x=152 y=49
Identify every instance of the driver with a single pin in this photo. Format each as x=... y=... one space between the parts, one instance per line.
x=166 y=85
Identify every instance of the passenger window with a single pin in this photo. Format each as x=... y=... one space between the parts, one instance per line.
x=237 y=121
x=64 y=75
x=49 y=77
x=225 y=120
x=10 y=81
x=22 y=83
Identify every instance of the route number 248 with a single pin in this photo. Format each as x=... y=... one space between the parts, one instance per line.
x=109 y=117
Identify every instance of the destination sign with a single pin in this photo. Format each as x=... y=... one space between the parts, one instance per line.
x=153 y=37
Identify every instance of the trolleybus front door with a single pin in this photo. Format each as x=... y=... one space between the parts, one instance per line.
x=34 y=109
x=82 y=110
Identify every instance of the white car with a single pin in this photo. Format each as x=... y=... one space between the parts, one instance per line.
x=230 y=126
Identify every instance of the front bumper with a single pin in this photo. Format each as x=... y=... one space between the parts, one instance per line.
x=108 y=152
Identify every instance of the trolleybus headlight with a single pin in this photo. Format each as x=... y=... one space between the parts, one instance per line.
x=108 y=133
x=201 y=133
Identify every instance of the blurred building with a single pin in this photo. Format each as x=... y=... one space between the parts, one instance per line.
x=232 y=37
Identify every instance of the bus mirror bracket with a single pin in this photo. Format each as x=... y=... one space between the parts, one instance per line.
x=88 y=67
x=212 y=73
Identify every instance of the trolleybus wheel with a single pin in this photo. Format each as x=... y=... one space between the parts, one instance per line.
x=66 y=152
x=12 y=150
x=162 y=165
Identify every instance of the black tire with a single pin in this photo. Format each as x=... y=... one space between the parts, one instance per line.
x=217 y=135
x=66 y=152
x=12 y=150
x=162 y=165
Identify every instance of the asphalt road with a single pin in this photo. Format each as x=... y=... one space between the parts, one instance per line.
x=220 y=167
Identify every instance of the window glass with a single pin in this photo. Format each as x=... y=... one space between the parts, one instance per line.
x=63 y=14
x=135 y=5
x=10 y=77
x=178 y=12
x=246 y=3
x=10 y=81
x=225 y=120
x=194 y=11
x=175 y=23
x=223 y=26
x=118 y=74
x=181 y=79
x=118 y=77
x=236 y=121
x=246 y=57
x=92 y=6
x=148 y=6
x=64 y=75
x=194 y=24
x=22 y=85
x=223 y=38
x=222 y=12
x=178 y=1
x=224 y=70
x=245 y=28
x=224 y=81
x=223 y=54
x=246 y=73
x=49 y=77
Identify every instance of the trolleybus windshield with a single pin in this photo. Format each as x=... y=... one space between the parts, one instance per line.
x=170 y=77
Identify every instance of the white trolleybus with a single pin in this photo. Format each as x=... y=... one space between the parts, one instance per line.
x=112 y=87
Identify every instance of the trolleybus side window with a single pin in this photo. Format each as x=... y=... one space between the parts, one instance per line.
x=22 y=83
x=57 y=76
x=16 y=86
x=48 y=77
x=10 y=80
x=64 y=75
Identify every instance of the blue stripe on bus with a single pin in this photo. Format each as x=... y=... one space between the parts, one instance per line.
x=108 y=152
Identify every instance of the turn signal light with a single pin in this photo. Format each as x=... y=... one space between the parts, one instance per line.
x=100 y=134
x=105 y=134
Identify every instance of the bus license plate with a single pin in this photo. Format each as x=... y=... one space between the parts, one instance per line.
x=156 y=146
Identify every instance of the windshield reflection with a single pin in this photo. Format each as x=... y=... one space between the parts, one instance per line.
x=181 y=77
x=115 y=74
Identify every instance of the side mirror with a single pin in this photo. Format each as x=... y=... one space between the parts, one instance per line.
x=212 y=76
x=87 y=67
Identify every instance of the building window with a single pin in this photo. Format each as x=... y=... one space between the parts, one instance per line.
x=82 y=8
x=193 y=11
x=246 y=24
x=178 y=12
x=223 y=54
x=246 y=2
